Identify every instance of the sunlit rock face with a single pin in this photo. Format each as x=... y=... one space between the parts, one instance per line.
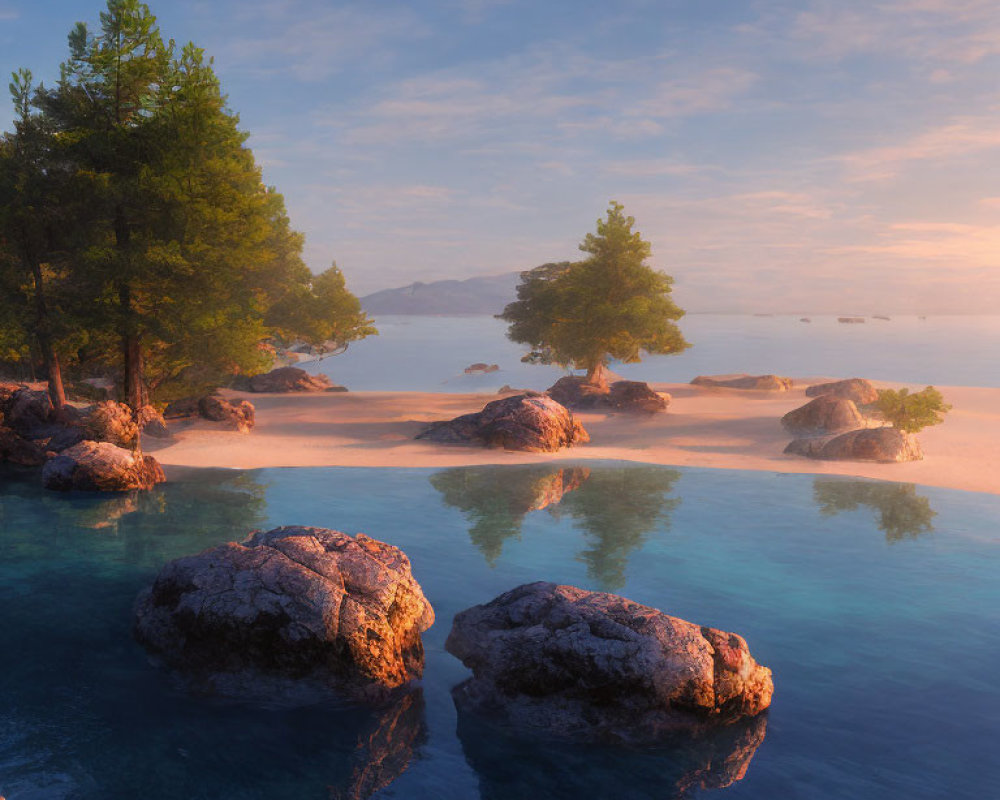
x=101 y=467
x=290 y=379
x=768 y=383
x=874 y=444
x=593 y=666
x=337 y=611
x=826 y=414
x=530 y=421
x=512 y=764
x=858 y=390
x=573 y=391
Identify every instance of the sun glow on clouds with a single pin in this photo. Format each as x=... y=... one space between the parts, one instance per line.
x=796 y=154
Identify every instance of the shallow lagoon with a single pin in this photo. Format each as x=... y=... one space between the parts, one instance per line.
x=874 y=603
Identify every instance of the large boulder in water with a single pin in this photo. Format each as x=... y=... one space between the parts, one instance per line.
x=290 y=379
x=239 y=416
x=858 y=390
x=101 y=467
x=308 y=604
x=529 y=421
x=825 y=414
x=573 y=391
x=589 y=665
x=871 y=444
x=767 y=383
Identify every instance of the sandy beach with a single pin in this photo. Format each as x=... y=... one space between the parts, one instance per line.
x=717 y=428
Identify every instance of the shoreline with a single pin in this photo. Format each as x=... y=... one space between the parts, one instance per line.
x=702 y=427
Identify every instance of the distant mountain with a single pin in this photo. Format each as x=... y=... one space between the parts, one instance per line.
x=487 y=295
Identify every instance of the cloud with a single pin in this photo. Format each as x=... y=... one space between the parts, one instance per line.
x=709 y=91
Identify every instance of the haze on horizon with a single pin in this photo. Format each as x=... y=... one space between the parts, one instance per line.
x=811 y=156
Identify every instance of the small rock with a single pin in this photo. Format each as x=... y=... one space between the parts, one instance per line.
x=858 y=390
x=180 y=409
x=826 y=414
x=768 y=383
x=294 y=602
x=481 y=369
x=239 y=416
x=530 y=421
x=289 y=379
x=593 y=666
x=872 y=444
x=101 y=467
x=573 y=391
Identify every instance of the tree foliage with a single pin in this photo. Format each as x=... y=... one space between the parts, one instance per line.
x=181 y=263
x=611 y=305
x=912 y=412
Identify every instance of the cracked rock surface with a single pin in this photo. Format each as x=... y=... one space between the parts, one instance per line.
x=343 y=612
x=596 y=666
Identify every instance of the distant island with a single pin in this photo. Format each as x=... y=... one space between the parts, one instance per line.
x=483 y=295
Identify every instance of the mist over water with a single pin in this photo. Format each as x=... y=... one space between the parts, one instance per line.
x=429 y=354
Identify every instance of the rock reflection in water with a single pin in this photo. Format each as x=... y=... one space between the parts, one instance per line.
x=902 y=513
x=510 y=765
x=616 y=510
x=495 y=500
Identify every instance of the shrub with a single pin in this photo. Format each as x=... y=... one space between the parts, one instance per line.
x=912 y=412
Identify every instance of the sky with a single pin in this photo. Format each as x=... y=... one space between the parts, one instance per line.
x=806 y=156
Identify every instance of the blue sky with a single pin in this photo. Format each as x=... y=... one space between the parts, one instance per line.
x=806 y=156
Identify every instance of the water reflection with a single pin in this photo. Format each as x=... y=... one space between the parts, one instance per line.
x=616 y=510
x=495 y=500
x=901 y=512
x=511 y=765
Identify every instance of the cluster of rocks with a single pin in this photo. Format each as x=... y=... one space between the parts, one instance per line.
x=766 y=383
x=236 y=414
x=291 y=379
x=480 y=368
x=89 y=449
x=573 y=391
x=833 y=427
x=344 y=613
x=531 y=421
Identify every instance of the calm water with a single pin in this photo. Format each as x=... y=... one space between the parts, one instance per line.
x=874 y=603
x=430 y=353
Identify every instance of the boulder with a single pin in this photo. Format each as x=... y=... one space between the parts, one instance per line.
x=871 y=444
x=101 y=467
x=826 y=414
x=529 y=421
x=112 y=422
x=290 y=379
x=593 y=666
x=573 y=391
x=180 y=409
x=153 y=424
x=7 y=390
x=307 y=604
x=28 y=412
x=481 y=369
x=768 y=383
x=18 y=450
x=857 y=390
x=239 y=416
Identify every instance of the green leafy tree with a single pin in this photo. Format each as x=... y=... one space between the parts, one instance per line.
x=912 y=412
x=611 y=305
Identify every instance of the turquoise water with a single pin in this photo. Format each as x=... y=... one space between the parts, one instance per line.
x=430 y=353
x=874 y=603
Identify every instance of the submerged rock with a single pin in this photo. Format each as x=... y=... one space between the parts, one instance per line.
x=480 y=368
x=301 y=603
x=101 y=467
x=768 y=383
x=593 y=666
x=529 y=421
x=290 y=379
x=239 y=415
x=858 y=390
x=871 y=444
x=826 y=414
x=573 y=391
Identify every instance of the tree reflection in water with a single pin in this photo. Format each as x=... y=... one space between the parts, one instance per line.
x=512 y=765
x=495 y=500
x=614 y=507
x=902 y=513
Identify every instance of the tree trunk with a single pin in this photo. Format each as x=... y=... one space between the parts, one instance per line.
x=53 y=370
x=135 y=390
x=133 y=393
x=597 y=376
